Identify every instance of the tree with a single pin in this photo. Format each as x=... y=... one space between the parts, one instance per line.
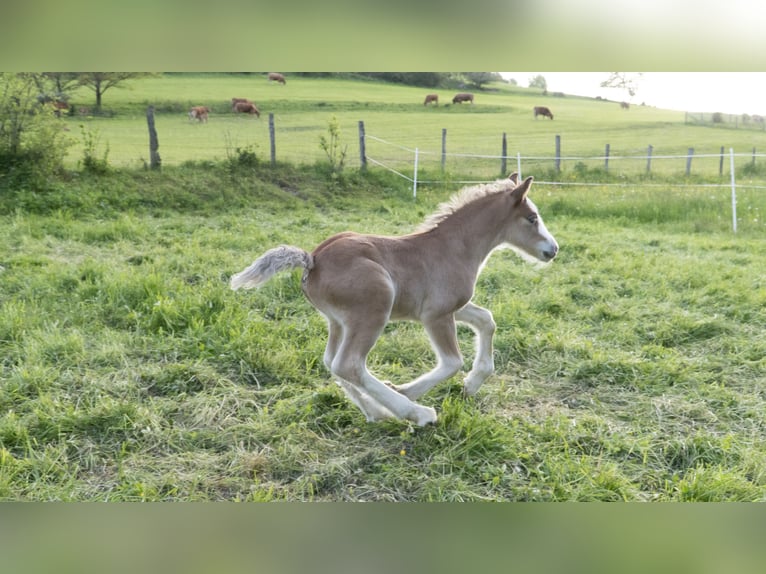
x=100 y=82
x=477 y=79
x=32 y=140
x=538 y=81
x=55 y=85
x=623 y=81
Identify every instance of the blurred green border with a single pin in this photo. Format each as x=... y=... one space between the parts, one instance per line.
x=377 y=538
x=354 y=35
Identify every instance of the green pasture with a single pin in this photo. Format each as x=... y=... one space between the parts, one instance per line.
x=303 y=108
x=631 y=368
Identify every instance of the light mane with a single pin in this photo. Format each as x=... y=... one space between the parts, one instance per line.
x=461 y=199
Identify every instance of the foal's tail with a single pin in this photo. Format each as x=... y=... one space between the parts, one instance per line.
x=270 y=263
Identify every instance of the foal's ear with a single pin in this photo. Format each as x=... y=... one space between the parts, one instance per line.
x=520 y=192
x=514 y=177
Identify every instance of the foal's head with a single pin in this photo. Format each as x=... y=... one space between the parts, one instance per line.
x=526 y=232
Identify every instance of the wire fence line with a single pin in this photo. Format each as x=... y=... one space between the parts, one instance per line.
x=398 y=158
x=396 y=151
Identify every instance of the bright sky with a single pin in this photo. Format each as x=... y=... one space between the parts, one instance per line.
x=726 y=92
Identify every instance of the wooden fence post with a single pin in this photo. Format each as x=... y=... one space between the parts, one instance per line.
x=558 y=153
x=689 y=156
x=503 y=158
x=753 y=157
x=444 y=148
x=720 y=164
x=155 y=162
x=649 y=158
x=362 y=147
x=272 y=140
x=606 y=158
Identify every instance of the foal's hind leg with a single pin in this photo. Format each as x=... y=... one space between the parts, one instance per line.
x=373 y=411
x=334 y=337
x=481 y=321
x=350 y=366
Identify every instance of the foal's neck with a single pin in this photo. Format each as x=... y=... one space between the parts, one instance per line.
x=478 y=227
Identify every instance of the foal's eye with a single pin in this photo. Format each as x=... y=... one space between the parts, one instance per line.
x=532 y=219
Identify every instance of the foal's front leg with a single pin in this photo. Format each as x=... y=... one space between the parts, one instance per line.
x=443 y=337
x=481 y=321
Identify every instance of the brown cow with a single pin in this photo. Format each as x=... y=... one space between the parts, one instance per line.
x=235 y=101
x=274 y=77
x=431 y=98
x=247 y=108
x=199 y=113
x=543 y=111
x=462 y=97
x=58 y=105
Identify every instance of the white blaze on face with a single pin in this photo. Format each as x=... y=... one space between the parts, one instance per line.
x=546 y=247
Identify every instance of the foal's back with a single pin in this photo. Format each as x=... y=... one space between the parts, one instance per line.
x=404 y=276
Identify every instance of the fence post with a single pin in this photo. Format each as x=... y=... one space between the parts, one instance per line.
x=720 y=164
x=415 y=176
x=753 y=157
x=558 y=153
x=606 y=158
x=272 y=140
x=444 y=148
x=689 y=155
x=362 y=147
x=649 y=158
x=503 y=158
x=154 y=156
x=733 y=192
x=518 y=163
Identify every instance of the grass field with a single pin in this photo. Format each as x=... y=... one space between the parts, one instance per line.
x=303 y=107
x=631 y=368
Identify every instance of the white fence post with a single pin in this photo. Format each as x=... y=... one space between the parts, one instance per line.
x=518 y=163
x=733 y=192
x=415 y=176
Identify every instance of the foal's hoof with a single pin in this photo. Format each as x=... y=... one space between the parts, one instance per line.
x=426 y=416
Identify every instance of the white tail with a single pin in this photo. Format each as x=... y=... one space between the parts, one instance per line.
x=269 y=264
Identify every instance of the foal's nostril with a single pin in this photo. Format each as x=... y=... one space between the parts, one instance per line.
x=551 y=253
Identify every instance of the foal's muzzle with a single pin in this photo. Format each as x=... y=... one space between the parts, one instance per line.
x=550 y=253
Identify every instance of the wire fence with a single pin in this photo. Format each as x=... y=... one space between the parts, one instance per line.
x=418 y=166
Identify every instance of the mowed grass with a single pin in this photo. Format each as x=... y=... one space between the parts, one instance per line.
x=304 y=106
x=631 y=368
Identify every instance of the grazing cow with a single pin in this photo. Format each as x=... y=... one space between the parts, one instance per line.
x=624 y=105
x=247 y=108
x=58 y=105
x=462 y=97
x=431 y=98
x=274 y=77
x=235 y=101
x=199 y=113
x=543 y=111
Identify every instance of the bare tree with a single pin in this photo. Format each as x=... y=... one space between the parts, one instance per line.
x=100 y=82
x=624 y=81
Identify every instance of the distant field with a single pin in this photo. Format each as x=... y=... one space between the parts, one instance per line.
x=303 y=107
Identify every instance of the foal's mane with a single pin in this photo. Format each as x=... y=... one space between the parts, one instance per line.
x=462 y=198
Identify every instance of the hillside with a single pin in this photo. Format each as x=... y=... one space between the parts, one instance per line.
x=303 y=108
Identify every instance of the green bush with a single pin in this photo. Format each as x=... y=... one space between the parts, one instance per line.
x=33 y=141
